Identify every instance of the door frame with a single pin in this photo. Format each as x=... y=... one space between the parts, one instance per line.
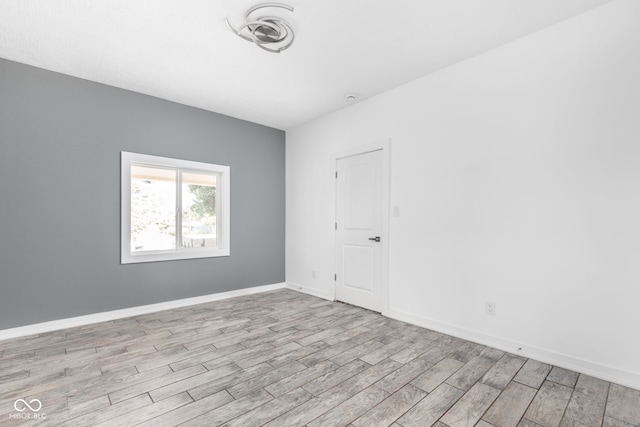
x=385 y=147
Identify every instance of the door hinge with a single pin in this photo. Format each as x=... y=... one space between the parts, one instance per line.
x=335 y=277
x=336 y=174
x=336 y=226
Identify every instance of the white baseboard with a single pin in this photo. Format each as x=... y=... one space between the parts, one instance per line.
x=604 y=372
x=608 y=373
x=72 y=322
x=307 y=290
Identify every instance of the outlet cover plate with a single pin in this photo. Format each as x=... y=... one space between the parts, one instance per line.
x=490 y=308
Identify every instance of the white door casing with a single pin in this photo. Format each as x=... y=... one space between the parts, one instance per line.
x=359 y=230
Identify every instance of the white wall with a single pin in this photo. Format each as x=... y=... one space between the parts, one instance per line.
x=517 y=176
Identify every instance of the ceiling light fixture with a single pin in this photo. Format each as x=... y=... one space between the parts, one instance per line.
x=270 y=33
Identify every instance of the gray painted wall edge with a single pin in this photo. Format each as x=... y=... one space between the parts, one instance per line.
x=60 y=144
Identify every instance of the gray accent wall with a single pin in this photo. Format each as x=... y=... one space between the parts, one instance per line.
x=60 y=144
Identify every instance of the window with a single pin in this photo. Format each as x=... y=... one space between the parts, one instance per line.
x=173 y=209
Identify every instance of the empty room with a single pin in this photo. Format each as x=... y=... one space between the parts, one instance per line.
x=320 y=213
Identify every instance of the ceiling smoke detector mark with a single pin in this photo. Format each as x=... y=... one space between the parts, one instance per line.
x=268 y=32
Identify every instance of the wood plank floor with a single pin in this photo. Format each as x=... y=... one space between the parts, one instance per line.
x=284 y=358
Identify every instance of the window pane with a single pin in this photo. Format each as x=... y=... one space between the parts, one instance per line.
x=199 y=210
x=153 y=208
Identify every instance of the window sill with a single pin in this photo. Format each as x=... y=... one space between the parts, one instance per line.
x=172 y=256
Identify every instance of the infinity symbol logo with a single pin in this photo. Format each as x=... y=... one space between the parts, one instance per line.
x=26 y=405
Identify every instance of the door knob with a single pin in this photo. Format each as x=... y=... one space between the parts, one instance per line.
x=375 y=239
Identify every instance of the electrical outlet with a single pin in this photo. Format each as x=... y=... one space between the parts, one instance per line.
x=314 y=275
x=490 y=308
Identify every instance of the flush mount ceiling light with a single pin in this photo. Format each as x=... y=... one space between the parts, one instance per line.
x=270 y=33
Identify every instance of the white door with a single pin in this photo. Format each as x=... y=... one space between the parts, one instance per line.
x=359 y=205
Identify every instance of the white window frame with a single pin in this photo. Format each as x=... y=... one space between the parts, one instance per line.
x=223 y=209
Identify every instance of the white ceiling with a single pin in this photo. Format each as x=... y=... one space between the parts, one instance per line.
x=181 y=50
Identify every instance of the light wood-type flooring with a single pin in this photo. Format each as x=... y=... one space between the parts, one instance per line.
x=281 y=359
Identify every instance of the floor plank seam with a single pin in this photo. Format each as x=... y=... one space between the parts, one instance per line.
x=295 y=350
